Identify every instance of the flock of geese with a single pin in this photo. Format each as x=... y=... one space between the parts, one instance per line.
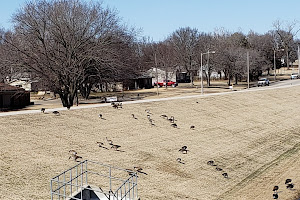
x=183 y=149
x=54 y=112
x=289 y=185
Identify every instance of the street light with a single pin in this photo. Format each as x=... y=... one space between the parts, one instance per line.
x=201 y=69
x=275 y=62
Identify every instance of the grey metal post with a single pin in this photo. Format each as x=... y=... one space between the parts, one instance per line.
x=71 y=181
x=81 y=184
x=133 y=188
x=201 y=71
x=136 y=182
x=77 y=178
x=156 y=74
x=248 y=70
x=109 y=181
x=58 y=188
x=65 y=185
x=129 y=189
x=274 y=66
x=86 y=173
x=298 y=61
x=51 y=190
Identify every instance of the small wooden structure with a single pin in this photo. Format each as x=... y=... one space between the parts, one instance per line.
x=13 y=97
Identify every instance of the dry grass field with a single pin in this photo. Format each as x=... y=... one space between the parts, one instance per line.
x=253 y=136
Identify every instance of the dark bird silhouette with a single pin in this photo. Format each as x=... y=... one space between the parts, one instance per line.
x=115 y=147
x=164 y=116
x=192 y=127
x=101 y=144
x=174 y=125
x=179 y=160
x=133 y=116
x=109 y=141
x=100 y=116
x=139 y=170
x=171 y=119
x=183 y=149
x=275 y=196
x=219 y=169
x=288 y=181
x=56 y=112
x=74 y=155
x=211 y=162
x=225 y=175
x=275 y=188
x=197 y=102
x=130 y=172
x=43 y=110
x=290 y=186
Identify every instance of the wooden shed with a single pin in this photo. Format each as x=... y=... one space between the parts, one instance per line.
x=13 y=97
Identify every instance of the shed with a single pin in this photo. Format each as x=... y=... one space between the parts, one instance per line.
x=13 y=97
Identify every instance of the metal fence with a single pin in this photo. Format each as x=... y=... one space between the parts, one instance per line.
x=89 y=180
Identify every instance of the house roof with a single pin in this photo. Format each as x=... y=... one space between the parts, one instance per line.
x=5 y=87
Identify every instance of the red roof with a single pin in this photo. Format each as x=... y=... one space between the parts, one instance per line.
x=6 y=87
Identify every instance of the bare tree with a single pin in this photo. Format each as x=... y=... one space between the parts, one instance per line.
x=205 y=42
x=165 y=58
x=61 y=40
x=285 y=33
x=185 y=41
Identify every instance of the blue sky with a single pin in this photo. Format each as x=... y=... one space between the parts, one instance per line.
x=159 y=18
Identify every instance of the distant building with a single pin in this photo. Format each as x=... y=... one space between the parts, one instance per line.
x=295 y=64
x=25 y=84
x=13 y=97
x=161 y=75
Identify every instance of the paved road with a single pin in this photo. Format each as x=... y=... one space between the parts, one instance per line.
x=277 y=85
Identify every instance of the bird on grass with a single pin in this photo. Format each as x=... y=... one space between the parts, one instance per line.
x=43 y=110
x=115 y=147
x=219 y=169
x=183 y=149
x=275 y=188
x=174 y=125
x=179 y=160
x=109 y=141
x=290 y=186
x=133 y=116
x=74 y=155
x=225 y=175
x=288 y=181
x=275 y=196
x=211 y=162
x=56 y=112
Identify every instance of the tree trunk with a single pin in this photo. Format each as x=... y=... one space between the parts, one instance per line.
x=236 y=79
x=85 y=90
x=192 y=78
x=67 y=95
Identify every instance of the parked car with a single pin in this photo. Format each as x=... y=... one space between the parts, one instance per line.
x=294 y=76
x=164 y=82
x=263 y=82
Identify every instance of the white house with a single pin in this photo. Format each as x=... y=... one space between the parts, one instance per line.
x=159 y=74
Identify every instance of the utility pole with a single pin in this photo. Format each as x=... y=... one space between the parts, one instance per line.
x=298 y=61
x=156 y=73
x=248 y=70
x=201 y=71
x=274 y=66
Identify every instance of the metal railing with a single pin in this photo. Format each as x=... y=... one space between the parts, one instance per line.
x=93 y=180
